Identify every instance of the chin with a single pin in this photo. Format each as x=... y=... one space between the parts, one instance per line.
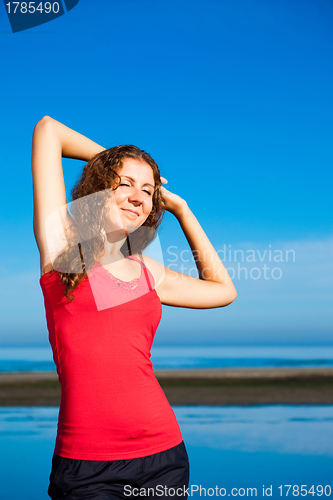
x=132 y=226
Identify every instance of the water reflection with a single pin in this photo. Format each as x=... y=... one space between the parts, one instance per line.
x=227 y=446
x=277 y=428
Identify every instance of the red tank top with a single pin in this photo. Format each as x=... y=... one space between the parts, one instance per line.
x=112 y=406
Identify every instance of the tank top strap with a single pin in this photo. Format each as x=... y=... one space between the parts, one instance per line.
x=145 y=270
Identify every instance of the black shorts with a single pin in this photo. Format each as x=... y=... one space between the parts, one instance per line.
x=158 y=476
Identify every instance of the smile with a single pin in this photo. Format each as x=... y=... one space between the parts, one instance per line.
x=130 y=212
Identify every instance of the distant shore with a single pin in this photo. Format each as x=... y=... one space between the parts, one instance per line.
x=213 y=387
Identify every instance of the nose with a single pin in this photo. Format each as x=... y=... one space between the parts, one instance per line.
x=136 y=195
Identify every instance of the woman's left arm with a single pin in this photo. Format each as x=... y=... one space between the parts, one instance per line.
x=214 y=287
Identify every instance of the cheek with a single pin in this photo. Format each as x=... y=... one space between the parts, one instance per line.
x=119 y=197
x=149 y=206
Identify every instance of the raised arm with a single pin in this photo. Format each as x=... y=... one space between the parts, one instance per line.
x=214 y=287
x=51 y=142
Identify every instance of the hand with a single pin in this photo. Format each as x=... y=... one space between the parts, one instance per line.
x=172 y=202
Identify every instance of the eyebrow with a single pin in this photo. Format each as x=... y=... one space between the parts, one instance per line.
x=133 y=180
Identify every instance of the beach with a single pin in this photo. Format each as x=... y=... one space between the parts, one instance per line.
x=214 y=387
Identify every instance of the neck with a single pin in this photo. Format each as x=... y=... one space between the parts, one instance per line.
x=113 y=243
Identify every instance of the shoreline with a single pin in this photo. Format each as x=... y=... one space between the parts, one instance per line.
x=211 y=387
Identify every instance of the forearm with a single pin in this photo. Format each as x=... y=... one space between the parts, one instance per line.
x=73 y=144
x=209 y=265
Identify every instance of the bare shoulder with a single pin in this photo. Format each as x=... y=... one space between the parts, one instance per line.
x=156 y=268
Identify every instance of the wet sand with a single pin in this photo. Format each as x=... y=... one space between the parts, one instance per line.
x=215 y=387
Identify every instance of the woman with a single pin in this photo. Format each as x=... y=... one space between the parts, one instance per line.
x=117 y=435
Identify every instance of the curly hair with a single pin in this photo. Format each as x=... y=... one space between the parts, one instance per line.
x=101 y=174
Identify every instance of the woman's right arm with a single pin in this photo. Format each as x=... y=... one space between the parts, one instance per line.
x=51 y=142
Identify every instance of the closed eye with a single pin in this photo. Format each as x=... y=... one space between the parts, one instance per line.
x=145 y=190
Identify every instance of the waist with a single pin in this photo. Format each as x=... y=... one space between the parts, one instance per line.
x=115 y=423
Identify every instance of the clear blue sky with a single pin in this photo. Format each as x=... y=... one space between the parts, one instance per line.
x=234 y=101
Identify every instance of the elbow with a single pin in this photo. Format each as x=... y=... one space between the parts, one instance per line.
x=227 y=297
x=232 y=297
x=44 y=124
x=43 y=121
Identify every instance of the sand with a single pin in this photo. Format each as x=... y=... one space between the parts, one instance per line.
x=216 y=387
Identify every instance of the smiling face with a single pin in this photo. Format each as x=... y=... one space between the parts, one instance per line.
x=134 y=195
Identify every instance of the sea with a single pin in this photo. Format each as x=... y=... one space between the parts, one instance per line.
x=35 y=359
x=274 y=451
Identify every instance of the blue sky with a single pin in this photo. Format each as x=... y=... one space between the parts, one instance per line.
x=234 y=101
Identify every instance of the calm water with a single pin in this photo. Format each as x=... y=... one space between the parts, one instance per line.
x=40 y=359
x=228 y=447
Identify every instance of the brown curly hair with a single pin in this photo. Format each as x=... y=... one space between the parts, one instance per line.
x=100 y=174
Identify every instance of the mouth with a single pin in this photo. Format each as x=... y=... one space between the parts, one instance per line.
x=131 y=212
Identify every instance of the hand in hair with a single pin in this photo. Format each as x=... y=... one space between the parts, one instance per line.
x=172 y=202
